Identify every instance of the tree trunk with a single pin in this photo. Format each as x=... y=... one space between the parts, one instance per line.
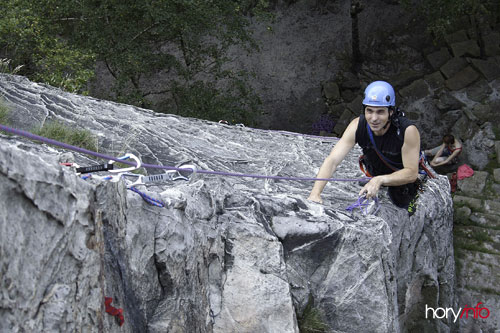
x=357 y=57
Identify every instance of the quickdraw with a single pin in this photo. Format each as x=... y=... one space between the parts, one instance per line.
x=106 y=166
x=123 y=173
x=168 y=176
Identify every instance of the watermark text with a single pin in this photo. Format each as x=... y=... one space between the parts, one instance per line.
x=440 y=313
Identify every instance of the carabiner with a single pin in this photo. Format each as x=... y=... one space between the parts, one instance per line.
x=139 y=180
x=126 y=157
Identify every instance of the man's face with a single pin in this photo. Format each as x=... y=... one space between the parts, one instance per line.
x=377 y=117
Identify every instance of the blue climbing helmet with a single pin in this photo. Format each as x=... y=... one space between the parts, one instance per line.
x=379 y=93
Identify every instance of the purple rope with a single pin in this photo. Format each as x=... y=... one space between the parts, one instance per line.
x=148 y=199
x=363 y=202
x=164 y=167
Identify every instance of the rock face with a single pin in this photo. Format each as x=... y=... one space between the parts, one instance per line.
x=225 y=254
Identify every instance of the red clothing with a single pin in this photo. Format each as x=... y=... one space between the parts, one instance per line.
x=464 y=171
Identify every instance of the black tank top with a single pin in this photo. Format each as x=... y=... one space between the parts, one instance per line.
x=389 y=145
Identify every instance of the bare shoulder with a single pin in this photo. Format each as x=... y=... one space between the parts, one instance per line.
x=412 y=138
x=353 y=124
x=350 y=131
x=412 y=132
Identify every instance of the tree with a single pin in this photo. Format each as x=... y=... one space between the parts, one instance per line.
x=357 y=57
x=29 y=38
x=136 y=40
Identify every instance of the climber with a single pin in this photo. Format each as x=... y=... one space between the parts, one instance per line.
x=447 y=152
x=394 y=162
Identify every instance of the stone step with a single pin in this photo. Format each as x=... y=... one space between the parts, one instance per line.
x=476 y=238
x=479 y=271
x=485 y=220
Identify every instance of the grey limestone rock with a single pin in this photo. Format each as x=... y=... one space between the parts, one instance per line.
x=468 y=47
x=479 y=91
x=496 y=175
x=482 y=112
x=434 y=80
x=432 y=122
x=473 y=185
x=488 y=68
x=497 y=150
x=456 y=37
x=492 y=44
x=331 y=91
x=480 y=146
x=453 y=67
x=417 y=89
x=447 y=101
x=462 y=79
x=439 y=58
x=468 y=201
x=225 y=254
x=465 y=128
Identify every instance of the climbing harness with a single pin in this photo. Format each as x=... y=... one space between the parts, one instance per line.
x=367 y=206
x=412 y=206
x=398 y=166
x=362 y=164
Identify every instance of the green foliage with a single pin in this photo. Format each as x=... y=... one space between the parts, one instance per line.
x=442 y=16
x=60 y=43
x=496 y=131
x=480 y=235
x=6 y=67
x=236 y=104
x=465 y=245
x=458 y=262
x=4 y=114
x=483 y=291
x=469 y=222
x=32 y=34
x=310 y=321
x=57 y=68
x=61 y=132
x=471 y=241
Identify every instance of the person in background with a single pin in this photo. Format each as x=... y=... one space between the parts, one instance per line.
x=446 y=153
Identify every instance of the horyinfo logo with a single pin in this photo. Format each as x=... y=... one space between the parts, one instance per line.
x=440 y=313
